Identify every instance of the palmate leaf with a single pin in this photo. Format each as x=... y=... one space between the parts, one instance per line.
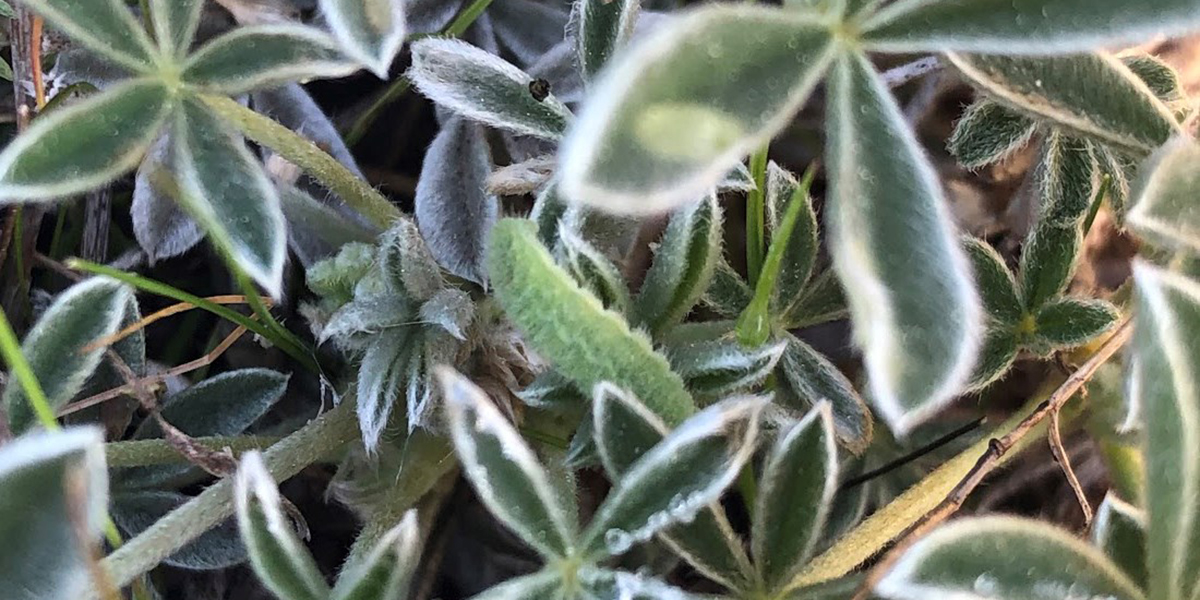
x=503 y=469
x=381 y=376
x=77 y=148
x=82 y=314
x=1036 y=27
x=1094 y=95
x=46 y=558
x=1120 y=531
x=1165 y=208
x=987 y=133
x=1071 y=322
x=175 y=23
x=683 y=266
x=1067 y=181
x=918 y=328
x=485 y=88
x=674 y=114
x=1048 y=262
x=103 y=26
x=261 y=56
x=369 y=31
x=225 y=189
x=1164 y=387
x=1004 y=558
x=386 y=572
x=601 y=27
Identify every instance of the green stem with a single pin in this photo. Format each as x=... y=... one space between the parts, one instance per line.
x=56 y=238
x=141 y=453
x=401 y=86
x=756 y=215
x=301 y=152
x=264 y=314
x=1098 y=200
x=321 y=438
x=289 y=344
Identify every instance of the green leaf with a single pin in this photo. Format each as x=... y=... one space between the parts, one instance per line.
x=281 y=562
x=1120 y=170
x=999 y=351
x=1048 y=262
x=988 y=133
x=334 y=278
x=728 y=293
x=1163 y=385
x=1165 y=209
x=82 y=314
x=602 y=26
x=225 y=189
x=1004 y=557
x=224 y=404
x=822 y=301
x=1066 y=177
x=527 y=280
x=1063 y=90
x=359 y=321
x=678 y=478
x=1023 y=26
x=261 y=56
x=1072 y=322
x=593 y=271
x=802 y=245
x=672 y=116
x=1120 y=531
x=217 y=548
x=369 y=31
x=716 y=367
x=997 y=286
x=175 y=23
x=503 y=469
x=451 y=311
x=542 y=585
x=409 y=265
x=75 y=149
x=1160 y=77
x=483 y=87
x=806 y=379
x=603 y=583
x=381 y=374
x=6 y=10
x=683 y=266
x=385 y=573
x=105 y=27
x=798 y=481
x=548 y=212
x=6 y=72
x=918 y=327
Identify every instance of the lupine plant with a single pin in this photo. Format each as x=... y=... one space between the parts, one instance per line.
x=600 y=334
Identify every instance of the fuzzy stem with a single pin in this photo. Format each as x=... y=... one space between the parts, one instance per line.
x=141 y=453
x=355 y=192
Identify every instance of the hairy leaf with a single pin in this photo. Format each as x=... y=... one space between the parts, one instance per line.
x=1158 y=75
x=673 y=115
x=728 y=293
x=800 y=254
x=554 y=313
x=601 y=27
x=406 y=260
x=262 y=56
x=1094 y=95
x=806 y=379
x=175 y=23
x=1048 y=262
x=1066 y=179
x=999 y=351
x=593 y=271
x=997 y=287
x=918 y=328
x=162 y=228
x=316 y=230
x=1003 y=557
x=504 y=470
x=683 y=266
x=386 y=572
x=381 y=373
x=1120 y=170
x=369 y=31
x=217 y=548
x=75 y=149
x=1165 y=208
x=795 y=494
x=821 y=302
x=542 y=585
x=485 y=88
x=224 y=404
x=1120 y=531
x=82 y=314
x=103 y=26
x=1071 y=322
x=988 y=133
x=717 y=367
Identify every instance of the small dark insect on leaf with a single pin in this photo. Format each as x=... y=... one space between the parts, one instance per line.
x=539 y=89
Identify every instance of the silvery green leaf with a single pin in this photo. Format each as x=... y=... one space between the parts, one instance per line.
x=82 y=314
x=989 y=132
x=717 y=367
x=103 y=26
x=162 y=228
x=450 y=309
x=218 y=548
x=677 y=478
x=593 y=271
x=386 y=572
x=221 y=405
x=728 y=293
x=1120 y=531
x=997 y=286
x=999 y=351
x=225 y=189
x=1066 y=177
x=918 y=328
x=364 y=317
x=1165 y=208
x=1072 y=322
x=45 y=560
x=806 y=379
x=1048 y=262
x=316 y=230
x=738 y=180
x=838 y=589
x=453 y=211
x=77 y=148
x=800 y=255
x=369 y=31
x=429 y=16
x=410 y=267
x=334 y=279
x=543 y=585
x=683 y=265
x=1164 y=389
x=1120 y=170
x=599 y=582
x=528 y=28
x=612 y=235
x=175 y=23
x=795 y=493
x=821 y=302
x=548 y=212
x=281 y=562
x=582 y=452
x=485 y=88
x=974 y=559
x=1004 y=26
x=504 y=470
x=80 y=65
x=676 y=112
x=262 y=56
x=381 y=373
x=1160 y=77
x=601 y=27
x=550 y=389
x=1061 y=89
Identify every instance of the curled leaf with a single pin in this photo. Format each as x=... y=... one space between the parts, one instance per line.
x=988 y=133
